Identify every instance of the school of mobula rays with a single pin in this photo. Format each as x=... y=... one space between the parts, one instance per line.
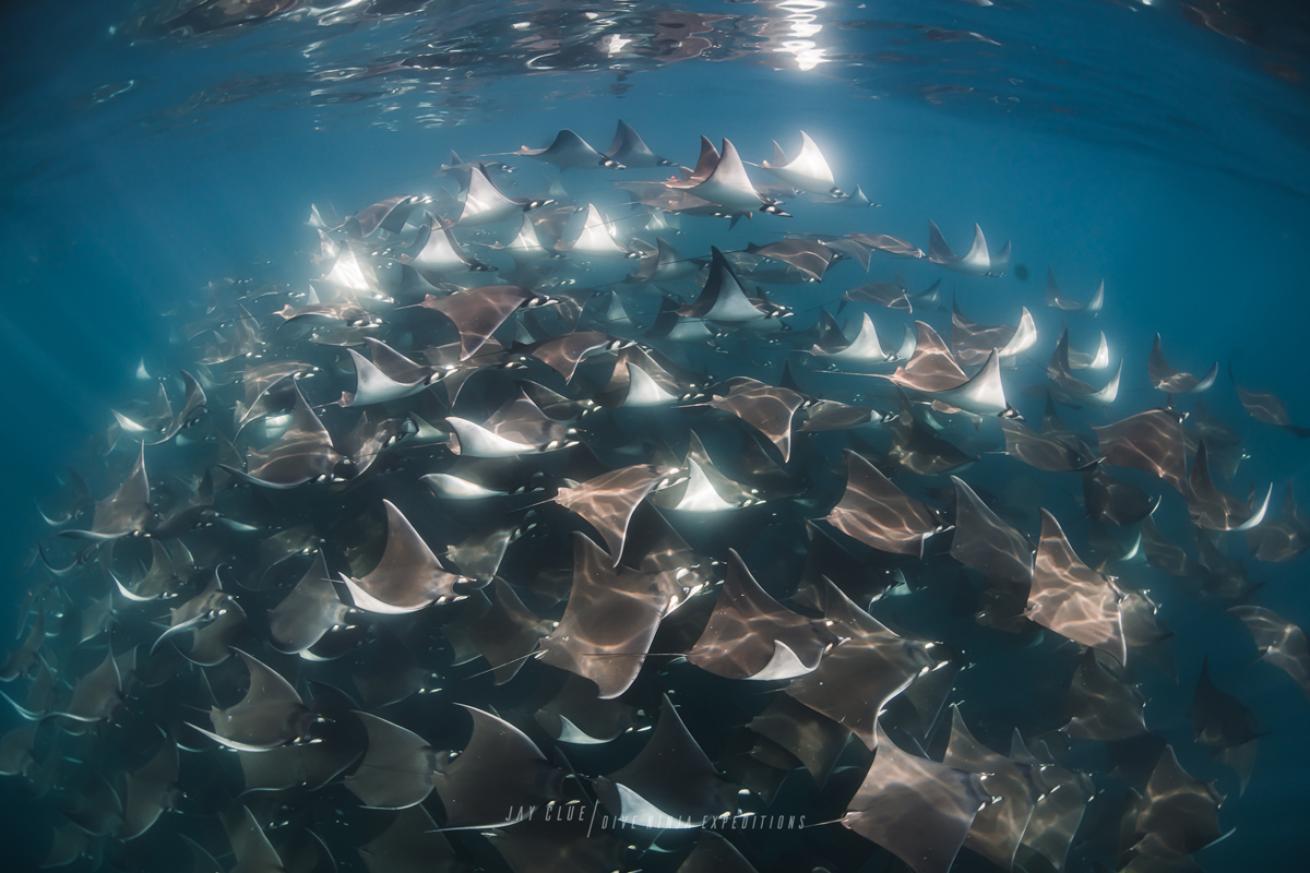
x=463 y=530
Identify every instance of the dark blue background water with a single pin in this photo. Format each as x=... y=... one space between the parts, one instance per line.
x=1161 y=147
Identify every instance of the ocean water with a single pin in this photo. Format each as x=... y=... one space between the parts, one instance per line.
x=154 y=149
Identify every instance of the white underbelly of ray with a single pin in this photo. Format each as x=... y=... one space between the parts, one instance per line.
x=1109 y=393
x=733 y=305
x=1025 y=336
x=437 y=253
x=374 y=386
x=484 y=203
x=983 y=394
x=596 y=237
x=367 y=602
x=455 y=488
x=1101 y=359
x=728 y=196
x=978 y=259
x=645 y=391
x=637 y=810
x=865 y=347
x=347 y=272
x=784 y=664
x=809 y=170
x=690 y=331
x=1259 y=515
x=571 y=733
x=475 y=441
x=700 y=495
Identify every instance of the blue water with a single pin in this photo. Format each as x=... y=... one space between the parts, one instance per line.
x=1161 y=146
